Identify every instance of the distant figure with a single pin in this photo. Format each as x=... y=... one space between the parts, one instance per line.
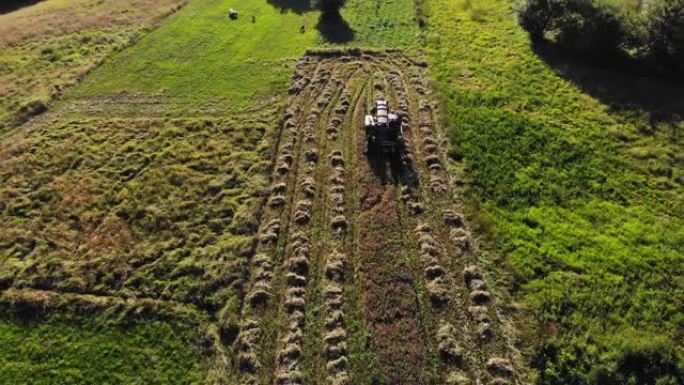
x=302 y=29
x=233 y=14
x=253 y=19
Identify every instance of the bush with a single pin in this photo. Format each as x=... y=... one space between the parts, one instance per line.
x=594 y=27
x=535 y=17
x=666 y=35
x=582 y=26
x=625 y=358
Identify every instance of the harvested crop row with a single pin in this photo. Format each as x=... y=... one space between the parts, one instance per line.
x=288 y=366
x=334 y=319
x=448 y=342
x=250 y=344
x=452 y=343
x=391 y=305
x=337 y=362
x=396 y=234
x=294 y=276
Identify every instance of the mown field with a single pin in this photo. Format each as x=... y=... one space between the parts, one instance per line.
x=129 y=212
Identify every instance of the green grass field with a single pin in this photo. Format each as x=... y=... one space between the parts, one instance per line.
x=585 y=196
x=60 y=350
x=202 y=60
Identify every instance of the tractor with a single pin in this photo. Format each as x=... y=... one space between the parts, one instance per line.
x=383 y=130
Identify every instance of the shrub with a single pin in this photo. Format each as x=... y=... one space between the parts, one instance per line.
x=597 y=28
x=535 y=17
x=666 y=34
x=582 y=26
x=625 y=358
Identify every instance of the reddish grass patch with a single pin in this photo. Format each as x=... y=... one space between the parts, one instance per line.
x=391 y=303
x=58 y=18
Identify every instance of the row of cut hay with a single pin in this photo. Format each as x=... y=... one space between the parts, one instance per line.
x=249 y=343
x=288 y=366
x=500 y=371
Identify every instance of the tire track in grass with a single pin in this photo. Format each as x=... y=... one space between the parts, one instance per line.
x=391 y=303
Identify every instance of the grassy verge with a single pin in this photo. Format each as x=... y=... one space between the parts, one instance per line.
x=584 y=193
x=66 y=350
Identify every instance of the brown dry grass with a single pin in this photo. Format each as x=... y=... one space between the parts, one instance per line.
x=58 y=17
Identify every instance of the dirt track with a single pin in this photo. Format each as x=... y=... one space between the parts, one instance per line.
x=364 y=272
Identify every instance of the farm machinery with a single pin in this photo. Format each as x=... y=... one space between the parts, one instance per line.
x=383 y=130
x=385 y=145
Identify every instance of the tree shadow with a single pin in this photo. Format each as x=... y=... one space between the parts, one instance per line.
x=624 y=84
x=297 y=6
x=8 y=6
x=334 y=28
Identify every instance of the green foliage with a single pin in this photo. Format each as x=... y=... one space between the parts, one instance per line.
x=603 y=27
x=629 y=358
x=578 y=25
x=65 y=350
x=585 y=199
x=666 y=34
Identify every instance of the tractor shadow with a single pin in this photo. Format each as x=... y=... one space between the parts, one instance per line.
x=396 y=169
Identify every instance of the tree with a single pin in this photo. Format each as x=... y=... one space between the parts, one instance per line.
x=666 y=34
x=583 y=26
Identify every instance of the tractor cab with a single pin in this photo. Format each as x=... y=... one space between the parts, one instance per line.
x=383 y=129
